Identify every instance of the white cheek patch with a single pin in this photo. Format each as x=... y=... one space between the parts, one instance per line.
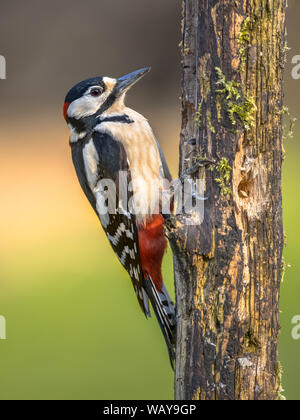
x=88 y=105
x=84 y=106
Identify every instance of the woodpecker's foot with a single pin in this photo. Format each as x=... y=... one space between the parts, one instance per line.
x=200 y=163
x=186 y=176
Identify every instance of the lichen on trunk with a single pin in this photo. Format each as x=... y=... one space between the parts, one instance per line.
x=228 y=269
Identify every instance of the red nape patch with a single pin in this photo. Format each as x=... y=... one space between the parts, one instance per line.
x=65 y=109
x=153 y=244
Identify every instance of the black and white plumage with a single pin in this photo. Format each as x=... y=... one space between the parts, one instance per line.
x=121 y=229
x=108 y=140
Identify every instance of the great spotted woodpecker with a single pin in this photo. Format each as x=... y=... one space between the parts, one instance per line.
x=108 y=139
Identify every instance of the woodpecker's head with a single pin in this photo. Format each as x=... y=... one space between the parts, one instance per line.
x=92 y=97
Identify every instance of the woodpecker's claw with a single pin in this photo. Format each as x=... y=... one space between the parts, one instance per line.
x=186 y=176
x=199 y=164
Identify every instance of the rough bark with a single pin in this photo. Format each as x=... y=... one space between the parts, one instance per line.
x=228 y=269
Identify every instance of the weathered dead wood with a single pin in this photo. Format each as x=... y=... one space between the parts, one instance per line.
x=228 y=269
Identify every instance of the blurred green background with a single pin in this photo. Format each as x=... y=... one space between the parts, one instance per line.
x=74 y=328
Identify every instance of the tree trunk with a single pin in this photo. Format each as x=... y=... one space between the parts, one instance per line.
x=228 y=269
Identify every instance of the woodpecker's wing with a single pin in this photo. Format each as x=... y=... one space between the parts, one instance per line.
x=102 y=158
x=79 y=165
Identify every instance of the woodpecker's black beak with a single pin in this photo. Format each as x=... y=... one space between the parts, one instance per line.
x=124 y=83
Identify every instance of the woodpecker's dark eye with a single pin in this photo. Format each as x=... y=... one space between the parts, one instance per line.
x=96 y=91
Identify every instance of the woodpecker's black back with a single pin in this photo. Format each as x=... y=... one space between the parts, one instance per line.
x=121 y=229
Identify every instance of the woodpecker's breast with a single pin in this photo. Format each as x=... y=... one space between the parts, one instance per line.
x=143 y=160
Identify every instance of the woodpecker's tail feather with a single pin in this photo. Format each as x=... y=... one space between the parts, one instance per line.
x=165 y=313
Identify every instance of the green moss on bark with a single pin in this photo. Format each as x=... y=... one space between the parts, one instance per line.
x=239 y=106
x=224 y=170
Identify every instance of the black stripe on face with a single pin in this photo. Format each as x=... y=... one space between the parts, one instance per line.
x=82 y=125
x=88 y=123
x=117 y=118
x=108 y=103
